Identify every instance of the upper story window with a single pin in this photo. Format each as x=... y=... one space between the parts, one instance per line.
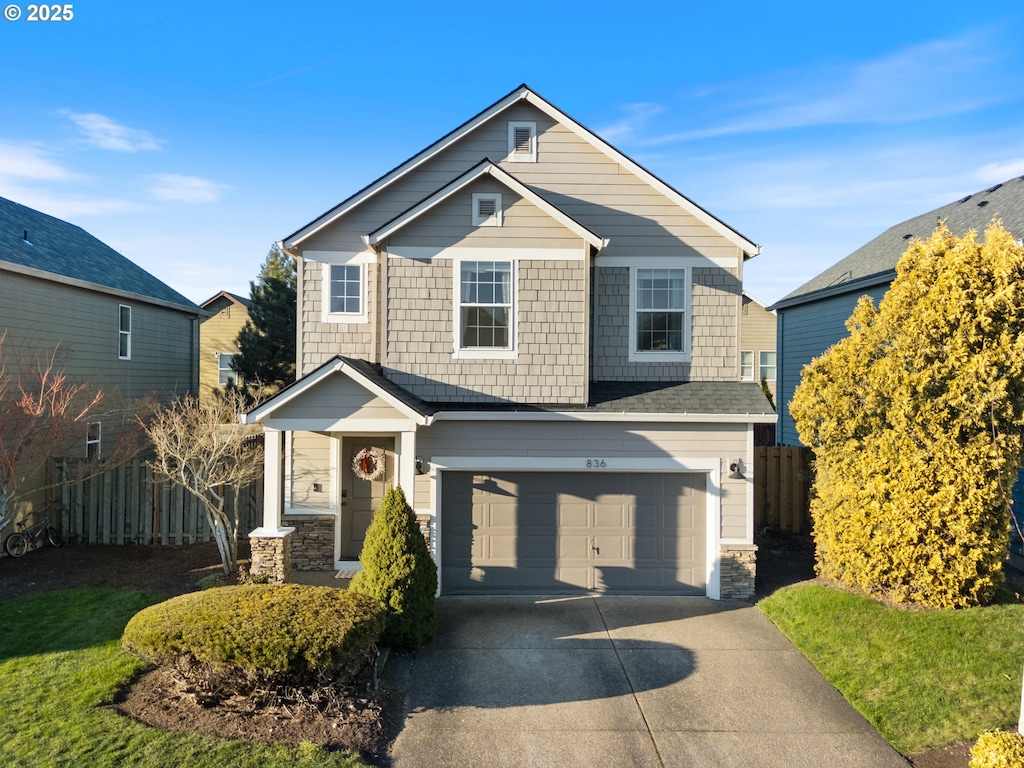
x=487 y=209
x=767 y=365
x=345 y=293
x=747 y=366
x=124 y=332
x=660 y=314
x=224 y=372
x=485 y=312
x=522 y=142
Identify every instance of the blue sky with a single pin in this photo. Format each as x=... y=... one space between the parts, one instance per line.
x=190 y=136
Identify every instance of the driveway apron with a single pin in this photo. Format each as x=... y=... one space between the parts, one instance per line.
x=664 y=682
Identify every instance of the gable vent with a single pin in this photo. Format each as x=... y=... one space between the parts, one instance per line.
x=522 y=140
x=485 y=207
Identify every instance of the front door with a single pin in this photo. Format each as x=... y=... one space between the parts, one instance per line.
x=368 y=469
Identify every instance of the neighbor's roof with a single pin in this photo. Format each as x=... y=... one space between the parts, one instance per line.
x=522 y=93
x=232 y=298
x=875 y=263
x=37 y=242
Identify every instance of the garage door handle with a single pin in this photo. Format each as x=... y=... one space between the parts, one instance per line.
x=593 y=546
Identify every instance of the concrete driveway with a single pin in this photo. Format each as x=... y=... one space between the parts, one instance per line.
x=620 y=681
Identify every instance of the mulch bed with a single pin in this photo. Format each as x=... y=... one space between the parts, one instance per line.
x=362 y=724
x=362 y=720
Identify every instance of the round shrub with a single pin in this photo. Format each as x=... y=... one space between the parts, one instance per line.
x=998 y=749
x=289 y=630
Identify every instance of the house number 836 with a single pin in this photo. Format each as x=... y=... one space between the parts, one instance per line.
x=596 y=463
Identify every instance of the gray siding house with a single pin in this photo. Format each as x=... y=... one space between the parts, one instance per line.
x=813 y=317
x=538 y=340
x=118 y=327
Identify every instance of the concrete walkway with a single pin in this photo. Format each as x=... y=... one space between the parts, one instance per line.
x=621 y=681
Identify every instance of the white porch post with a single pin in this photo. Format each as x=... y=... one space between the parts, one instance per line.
x=273 y=478
x=407 y=465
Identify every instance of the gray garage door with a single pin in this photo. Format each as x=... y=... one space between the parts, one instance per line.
x=556 y=532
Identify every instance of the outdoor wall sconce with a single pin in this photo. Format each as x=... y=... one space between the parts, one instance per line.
x=734 y=471
x=422 y=466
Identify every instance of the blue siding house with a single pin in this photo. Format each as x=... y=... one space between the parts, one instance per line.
x=812 y=318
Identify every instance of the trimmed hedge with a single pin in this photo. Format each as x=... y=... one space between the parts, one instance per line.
x=998 y=749
x=269 y=629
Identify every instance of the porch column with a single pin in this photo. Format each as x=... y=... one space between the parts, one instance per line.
x=273 y=478
x=407 y=465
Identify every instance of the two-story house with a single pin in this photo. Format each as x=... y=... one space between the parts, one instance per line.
x=227 y=314
x=117 y=327
x=538 y=339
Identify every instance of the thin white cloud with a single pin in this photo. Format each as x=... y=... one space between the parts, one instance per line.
x=31 y=161
x=934 y=79
x=186 y=189
x=992 y=173
x=636 y=117
x=103 y=132
x=291 y=73
x=64 y=206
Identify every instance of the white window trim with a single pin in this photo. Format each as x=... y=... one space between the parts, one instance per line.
x=515 y=157
x=235 y=376
x=495 y=220
x=98 y=442
x=761 y=366
x=344 y=317
x=123 y=333
x=672 y=356
x=753 y=365
x=484 y=353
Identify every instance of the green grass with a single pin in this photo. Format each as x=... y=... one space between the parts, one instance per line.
x=61 y=664
x=922 y=678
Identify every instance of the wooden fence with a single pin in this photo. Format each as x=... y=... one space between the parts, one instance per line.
x=782 y=487
x=128 y=505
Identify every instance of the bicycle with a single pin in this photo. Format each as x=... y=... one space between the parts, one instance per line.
x=17 y=543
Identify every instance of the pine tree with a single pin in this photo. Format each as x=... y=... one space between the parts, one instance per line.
x=266 y=359
x=916 y=425
x=399 y=572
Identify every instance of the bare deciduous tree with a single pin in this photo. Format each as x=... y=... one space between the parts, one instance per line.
x=44 y=414
x=206 y=450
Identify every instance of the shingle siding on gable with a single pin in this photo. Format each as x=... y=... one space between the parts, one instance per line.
x=550 y=365
x=805 y=332
x=321 y=341
x=715 y=308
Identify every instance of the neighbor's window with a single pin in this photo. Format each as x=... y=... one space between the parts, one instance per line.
x=224 y=372
x=124 y=338
x=93 y=438
x=485 y=305
x=661 y=310
x=767 y=365
x=747 y=366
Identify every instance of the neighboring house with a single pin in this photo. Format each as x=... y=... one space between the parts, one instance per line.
x=218 y=341
x=538 y=340
x=813 y=317
x=119 y=327
x=757 y=343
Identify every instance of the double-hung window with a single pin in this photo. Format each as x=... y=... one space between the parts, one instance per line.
x=747 y=366
x=485 y=321
x=93 y=439
x=345 y=293
x=767 y=366
x=124 y=332
x=660 y=322
x=224 y=372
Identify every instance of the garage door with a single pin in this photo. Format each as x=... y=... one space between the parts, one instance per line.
x=556 y=532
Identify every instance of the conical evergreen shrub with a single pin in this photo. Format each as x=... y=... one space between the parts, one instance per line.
x=399 y=572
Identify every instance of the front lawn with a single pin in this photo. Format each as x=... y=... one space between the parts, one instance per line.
x=61 y=664
x=922 y=678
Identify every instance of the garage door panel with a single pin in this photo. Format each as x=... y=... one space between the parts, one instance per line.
x=539 y=532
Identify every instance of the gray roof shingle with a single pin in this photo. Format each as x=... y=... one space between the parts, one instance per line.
x=875 y=262
x=67 y=250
